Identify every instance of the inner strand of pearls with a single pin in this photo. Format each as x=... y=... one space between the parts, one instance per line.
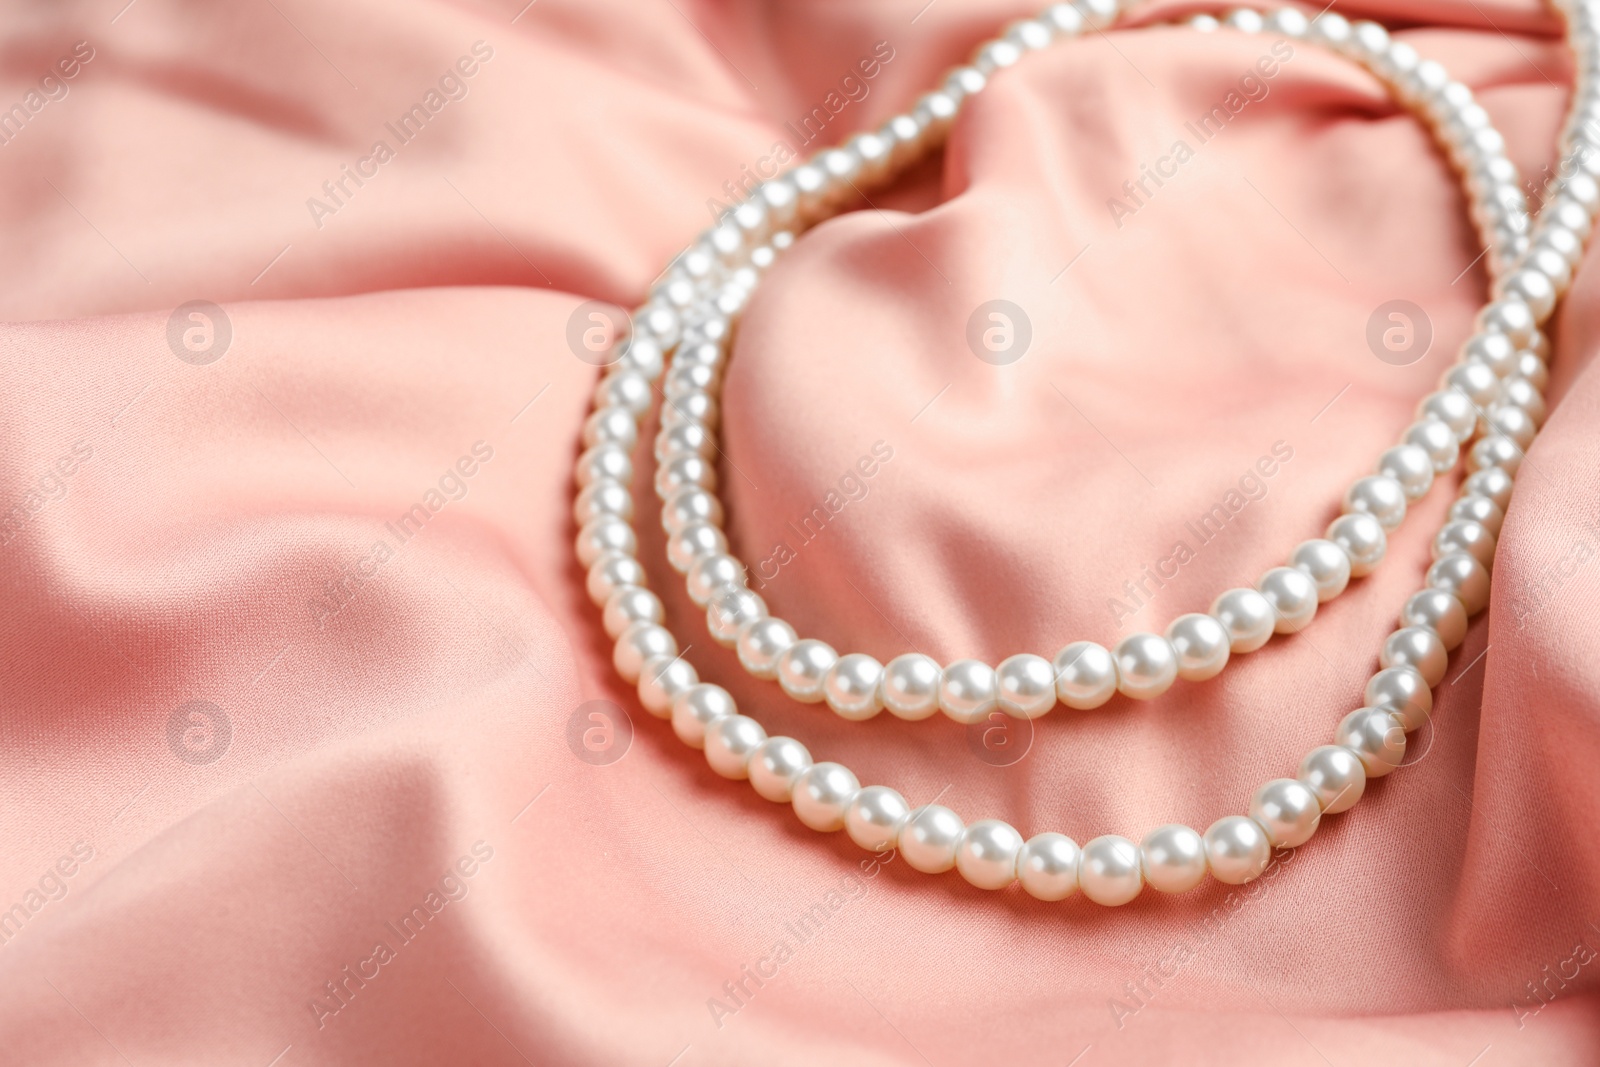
x=1492 y=388
x=1492 y=399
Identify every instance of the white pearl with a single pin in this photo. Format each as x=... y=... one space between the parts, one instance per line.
x=1511 y=422
x=1451 y=407
x=1147 y=665
x=803 y=669
x=1411 y=467
x=1403 y=692
x=1200 y=645
x=1173 y=858
x=1086 y=675
x=1494 y=350
x=822 y=794
x=1510 y=314
x=929 y=839
x=1532 y=287
x=1029 y=34
x=1100 y=13
x=681 y=472
x=1517 y=391
x=1325 y=564
x=851 y=687
x=730 y=742
x=1109 y=871
x=692 y=542
x=1417 y=647
x=1472 y=380
x=911 y=686
x=1363 y=540
x=1027 y=686
x=1287 y=810
x=1245 y=21
x=1237 y=849
x=1335 y=775
x=1293 y=597
x=640 y=642
x=1289 y=22
x=613 y=425
x=688 y=506
x=996 y=55
x=684 y=439
x=987 y=855
x=698 y=707
x=624 y=388
x=604 y=496
x=875 y=818
x=1437 y=440
x=968 y=691
x=1247 y=616
x=628 y=605
x=1047 y=866
x=710 y=574
x=1481 y=510
x=761 y=642
x=1376 y=737
x=774 y=766
x=610 y=572
x=1464 y=535
x=1463 y=575
x=1491 y=482
x=1495 y=450
x=729 y=609
x=1380 y=496
x=661 y=679
x=1064 y=19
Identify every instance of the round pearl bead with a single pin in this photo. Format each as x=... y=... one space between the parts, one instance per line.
x=1086 y=675
x=1293 y=597
x=628 y=605
x=682 y=472
x=774 y=766
x=1380 y=496
x=1237 y=849
x=627 y=388
x=968 y=691
x=690 y=506
x=851 y=687
x=1200 y=645
x=1495 y=450
x=875 y=818
x=911 y=686
x=611 y=572
x=822 y=793
x=803 y=669
x=1479 y=509
x=661 y=680
x=604 y=461
x=929 y=838
x=1146 y=666
x=1109 y=870
x=1027 y=686
x=1325 y=564
x=1491 y=482
x=1437 y=440
x=1411 y=467
x=1493 y=350
x=987 y=854
x=604 y=496
x=1247 y=616
x=761 y=642
x=1363 y=540
x=1465 y=536
x=1417 y=647
x=731 y=608
x=1335 y=775
x=692 y=542
x=710 y=574
x=605 y=534
x=1474 y=381
x=1047 y=866
x=1512 y=422
x=1173 y=858
x=729 y=744
x=1376 y=737
x=640 y=642
x=1532 y=287
x=1287 y=810
x=1463 y=575
x=1403 y=692
x=698 y=707
x=1453 y=409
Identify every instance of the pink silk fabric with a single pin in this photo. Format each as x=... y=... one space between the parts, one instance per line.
x=269 y=798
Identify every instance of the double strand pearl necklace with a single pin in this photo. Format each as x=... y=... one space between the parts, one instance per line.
x=1496 y=389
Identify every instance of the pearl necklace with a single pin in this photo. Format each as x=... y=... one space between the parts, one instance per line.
x=1498 y=383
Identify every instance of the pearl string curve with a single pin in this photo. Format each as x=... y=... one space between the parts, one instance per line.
x=1494 y=393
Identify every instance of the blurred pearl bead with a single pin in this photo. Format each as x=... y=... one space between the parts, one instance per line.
x=1325 y=564
x=929 y=839
x=1293 y=597
x=1380 y=496
x=684 y=439
x=626 y=388
x=1479 y=509
x=661 y=680
x=1532 y=287
x=1146 y=665
x=694 y=405
x=710 y=574
x=1108 y=870
x=1237 y=849
x=1437 y=440
x=638 y=643
x=611 y=425
x=774 y=766
x=804 y=667
x=698 y=707
x=730 y=742
x=1511 y=422
x=1247 y=616
x=1173 y=858
x=1517 y=391
x=1064 y=19
x=1086 y=675
x=1494 y=350
x=875 y=818
x=1465 y=536
x=1411 y=467
x=1452 y=408
x=1099 y=13
x=968 y=691
x=1200 y=645
x=1511 y=316
x=1417 y=647
x=1335 y=775
x=610 y=572
x=1245 y=21
x=1492 y=482
x=694 y=541
x=603 y=496
x=628 y=605
x=603 y=461
x=761 y=642
x=1532 y=368
x=822 y=794
x=1027 y=686
x=1463 y=575
x=731 y=608
x=1376 y=737
x=1362 y=539
x=911 y=686
x=1047 y=866
x=681 y=472
x=1404 y=692
x=851 y=687
x=987 y=854
x=1028 y=34
x=690 y=506
x=1287 y=810
x=1289 y=22
x=1474 y=381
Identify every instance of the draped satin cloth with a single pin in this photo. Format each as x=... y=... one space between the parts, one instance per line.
x=267 y=794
